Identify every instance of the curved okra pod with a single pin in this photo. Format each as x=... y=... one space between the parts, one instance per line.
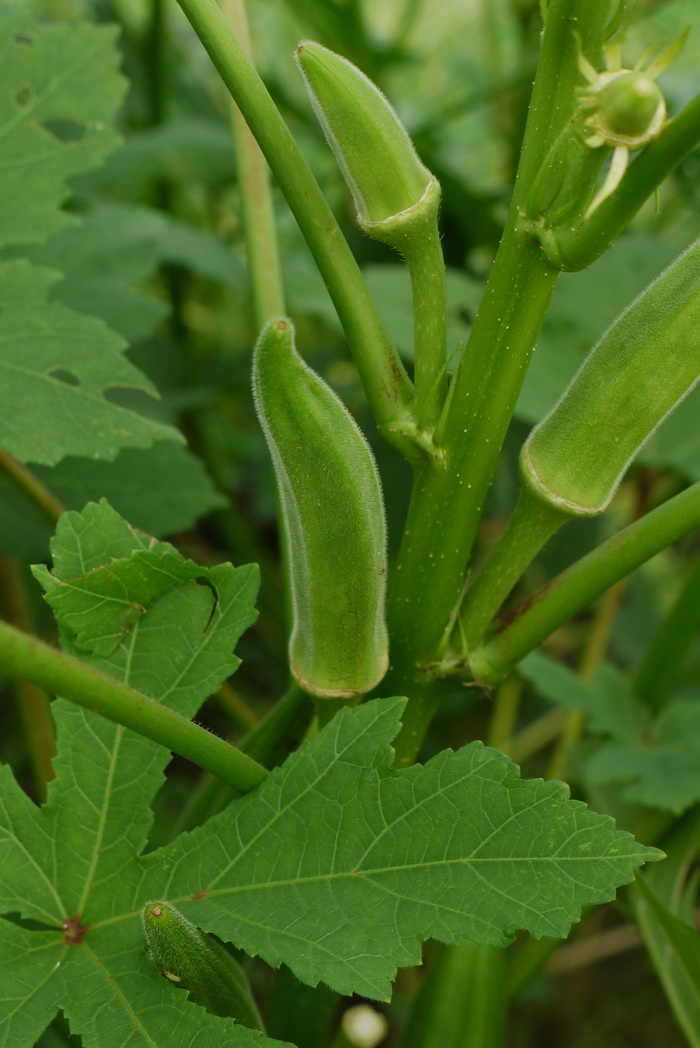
x=574 y=460
x=199 y=963
x=333 y=518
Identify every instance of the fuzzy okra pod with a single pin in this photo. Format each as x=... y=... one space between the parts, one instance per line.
x=639 y=371
x=372 y=147
x=199 y=963
x=573 y=461
x=397 y=201
x=333 y=518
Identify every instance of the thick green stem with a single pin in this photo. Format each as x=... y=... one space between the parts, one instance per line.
x=30 y=486
x=258 y=213
x=671 y=642
x=448 y=495
x=575 y=588
x=30 y=659
x=387 y=385
x=577 y=247
x=533 y=523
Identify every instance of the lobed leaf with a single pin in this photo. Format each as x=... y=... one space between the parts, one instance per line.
x=339 y=866
x=55 y=367
x=73 y=865
x=59 y=92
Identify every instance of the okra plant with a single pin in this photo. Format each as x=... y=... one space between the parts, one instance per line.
x=462 y=581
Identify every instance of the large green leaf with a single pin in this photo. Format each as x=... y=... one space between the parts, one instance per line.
x=55 y=368
x=338 y=865
x=75 y=859
x=59 y=91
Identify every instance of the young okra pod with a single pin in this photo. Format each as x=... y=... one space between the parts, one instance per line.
x=333 y=519
x=389 y=184
x=199 y=963
x=639 y=371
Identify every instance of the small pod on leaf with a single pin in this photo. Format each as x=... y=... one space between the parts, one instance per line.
x=333 y=519
x=199 y=963
x=390 y=185
x=640 y=370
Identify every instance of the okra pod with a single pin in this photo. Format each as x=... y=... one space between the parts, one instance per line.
x=199 y=963
x=644 y=365
x=333 y=519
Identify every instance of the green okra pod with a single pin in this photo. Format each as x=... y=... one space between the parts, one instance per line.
x=639 y=371
x=333 y=519
x=573 y=461
x=372 y=147
x=199 y=963
x=397 y=201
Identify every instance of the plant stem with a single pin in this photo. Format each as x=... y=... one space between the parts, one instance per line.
x=426 y=266
x=269 y=742
x=258 y=213
x=30 y=659
x=448 y=496
x=671 y=642
x=596 y=646
x=239 y=711
x=30 y=486
x=571 y=591
x=385 y=380
x=536 y=735
x=577 y=248
x=532 y=524
x=505 y=713
x=461 y=1004
x=33 y=703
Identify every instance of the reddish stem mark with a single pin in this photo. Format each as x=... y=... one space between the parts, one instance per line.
x=201 y=894
x=74 y=930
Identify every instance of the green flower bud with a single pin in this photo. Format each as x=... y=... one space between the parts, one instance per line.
x=640 y=370
x=371 y=145
x=630 y=104
x=333 y=518
x=199 y=963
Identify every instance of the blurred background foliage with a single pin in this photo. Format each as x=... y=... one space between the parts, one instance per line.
x=159 y=254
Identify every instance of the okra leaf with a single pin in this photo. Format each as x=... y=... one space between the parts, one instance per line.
x=340 y=867
x=59 y=92
x=69 y=871
x=179 y=488
x=116 y=249
x=337 y=865
x=55 y=368
x=656 y=758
